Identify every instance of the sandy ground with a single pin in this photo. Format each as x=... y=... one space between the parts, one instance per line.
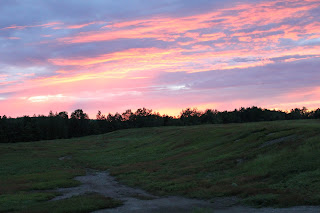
x=137 y=200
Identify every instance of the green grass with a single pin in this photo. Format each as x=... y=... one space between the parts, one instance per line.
x=202 y=210
x=20 y=200
x=196 y=161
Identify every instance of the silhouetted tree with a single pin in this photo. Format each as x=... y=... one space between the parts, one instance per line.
x=316 y=114
x=79 y=123
x=63 y=115
x=190 y=116
x=99 y=116
x=79 y=114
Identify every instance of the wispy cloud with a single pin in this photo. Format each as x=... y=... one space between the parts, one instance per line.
x=46 y=25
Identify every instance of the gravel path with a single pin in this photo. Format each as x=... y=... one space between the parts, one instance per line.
x=138 y=201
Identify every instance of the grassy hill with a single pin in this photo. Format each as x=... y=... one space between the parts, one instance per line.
x=267 y=163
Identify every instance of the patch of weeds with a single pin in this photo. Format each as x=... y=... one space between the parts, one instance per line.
x=17 y=201
x=54 y=184
x=40 y=181
x=202 y=210
x=259 y=130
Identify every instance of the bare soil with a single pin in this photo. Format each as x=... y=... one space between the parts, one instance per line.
x=137 y=200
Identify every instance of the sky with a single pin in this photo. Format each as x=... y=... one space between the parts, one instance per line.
x=163 y=55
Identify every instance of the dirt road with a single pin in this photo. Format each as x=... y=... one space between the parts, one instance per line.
x=137 y=200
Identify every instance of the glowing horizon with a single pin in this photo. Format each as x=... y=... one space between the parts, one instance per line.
x=165 y=56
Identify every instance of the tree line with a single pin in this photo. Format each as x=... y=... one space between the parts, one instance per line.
x=61 y=125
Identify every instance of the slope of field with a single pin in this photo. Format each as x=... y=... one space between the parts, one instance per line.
x=265 y=164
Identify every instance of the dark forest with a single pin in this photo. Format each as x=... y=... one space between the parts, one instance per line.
x=61 y=125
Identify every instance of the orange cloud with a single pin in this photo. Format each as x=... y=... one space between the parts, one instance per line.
x=131 y=54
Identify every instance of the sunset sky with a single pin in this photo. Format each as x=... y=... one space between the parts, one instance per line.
x=164 y=55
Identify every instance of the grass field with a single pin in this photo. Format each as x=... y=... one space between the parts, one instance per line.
x=265 y=164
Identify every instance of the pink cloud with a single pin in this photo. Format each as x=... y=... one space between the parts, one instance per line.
x=79 y=26
x=46 y=25
x=167 y=29
x=14 y=38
